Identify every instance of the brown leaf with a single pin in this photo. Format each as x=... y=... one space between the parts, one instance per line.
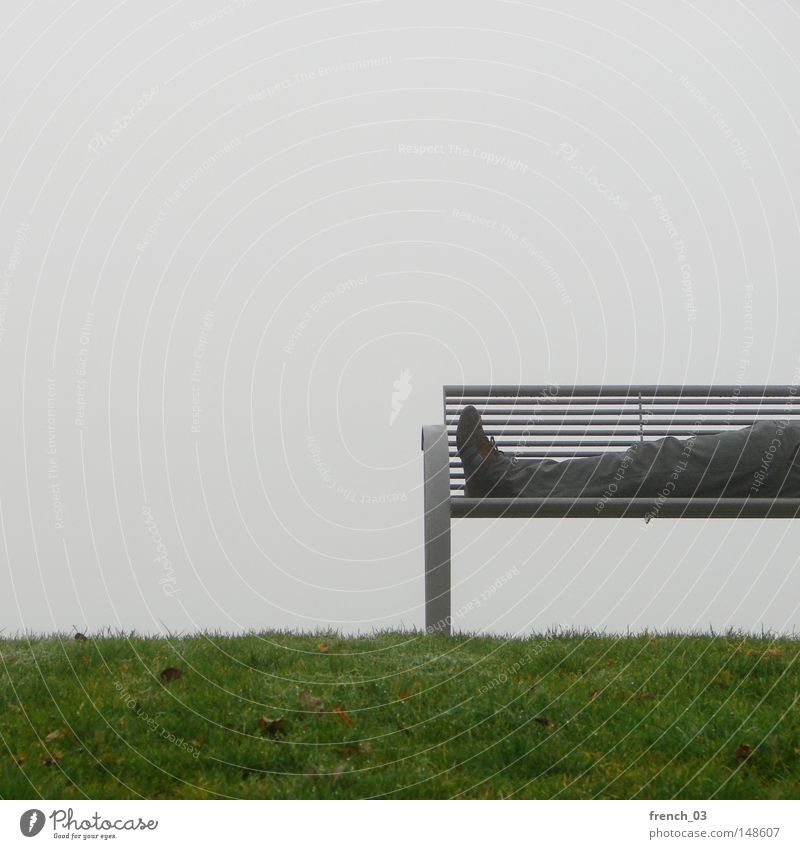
x=594 y=694
x=54 y=735
x=322 y=647
x=309 y=703
x=743 y=753
x=343 y=716
x=352 y=749
x=170 y=674
x=271 y=727
x=81 y=638
x=20 y=758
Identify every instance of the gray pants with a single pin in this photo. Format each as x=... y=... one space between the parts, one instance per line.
x=760 y=461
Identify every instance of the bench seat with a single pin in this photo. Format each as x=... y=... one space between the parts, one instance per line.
x=630 y=508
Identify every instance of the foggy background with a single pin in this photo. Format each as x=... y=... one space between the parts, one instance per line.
x=227 y=230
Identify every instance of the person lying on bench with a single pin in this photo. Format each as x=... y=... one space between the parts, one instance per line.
x=758 y=461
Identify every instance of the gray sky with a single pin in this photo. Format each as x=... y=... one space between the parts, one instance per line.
x=226 y=230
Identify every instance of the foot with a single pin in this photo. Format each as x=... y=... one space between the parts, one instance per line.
x=476 y=450
x=469 y=433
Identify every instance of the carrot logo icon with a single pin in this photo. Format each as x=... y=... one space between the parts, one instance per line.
x=402 y=389
x=31 y=822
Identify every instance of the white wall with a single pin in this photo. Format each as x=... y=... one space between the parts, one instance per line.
x=182 y=186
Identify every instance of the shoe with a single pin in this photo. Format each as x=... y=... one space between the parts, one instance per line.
x=469 y=434
x=478 y=452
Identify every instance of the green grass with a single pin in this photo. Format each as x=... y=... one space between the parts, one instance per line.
x=400 y=715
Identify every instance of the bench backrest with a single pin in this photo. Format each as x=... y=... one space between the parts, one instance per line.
x=561 y=422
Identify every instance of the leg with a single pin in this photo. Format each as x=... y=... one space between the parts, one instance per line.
x=761 y=460
x=490 y=473
x=758 y=461
x=436 y=462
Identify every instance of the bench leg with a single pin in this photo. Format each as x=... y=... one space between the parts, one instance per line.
x=436 y=463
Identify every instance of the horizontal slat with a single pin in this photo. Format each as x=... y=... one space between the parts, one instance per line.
x=513 y=424
x=630 y=404
x=676 y=390
x=508 y=436
x=566 y=414
x=552 y=453
x=564 y=443
x=672 y=508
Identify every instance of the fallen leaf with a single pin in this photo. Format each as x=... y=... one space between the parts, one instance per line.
x=20 y=759
x=123 y=666
x=309 y=703
x=594 y=693
x=271 y=727
x=54 y=735
x=322 y=647
x=352 y=749
x=743 y=753
x=198 y=741
x=170 y=674
x=343 y=716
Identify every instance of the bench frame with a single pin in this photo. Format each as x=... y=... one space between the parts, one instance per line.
x=630 y=408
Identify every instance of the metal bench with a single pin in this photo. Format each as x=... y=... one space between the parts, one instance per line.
x=561 y=422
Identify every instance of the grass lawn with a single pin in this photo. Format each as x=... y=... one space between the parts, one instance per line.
x=400 y=715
